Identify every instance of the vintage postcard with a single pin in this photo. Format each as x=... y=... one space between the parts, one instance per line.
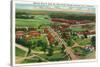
x=52 y=33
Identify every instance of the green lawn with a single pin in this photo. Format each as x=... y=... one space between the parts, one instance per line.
x=32 y=60
x=31 y=22
x=77 y=29
x=19 y=52
x=54 y=57
x=83 y=42
x=37 y=49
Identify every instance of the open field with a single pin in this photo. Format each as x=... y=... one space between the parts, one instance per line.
x=31 y=22
x=20 y=52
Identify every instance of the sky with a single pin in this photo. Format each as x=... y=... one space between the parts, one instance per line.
x=69 y=7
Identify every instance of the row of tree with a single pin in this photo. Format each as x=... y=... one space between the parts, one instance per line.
x=64 y=15
x=72 y=16
x=24 y=15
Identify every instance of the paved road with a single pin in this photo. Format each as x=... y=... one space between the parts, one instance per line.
x=62 y=42
x=26 y=49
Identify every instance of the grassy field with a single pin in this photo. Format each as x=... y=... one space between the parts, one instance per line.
x=20 y=52
x=32 y=60
x=54 y=57
x=31 y=22
x=83 y=42
x=77 y=29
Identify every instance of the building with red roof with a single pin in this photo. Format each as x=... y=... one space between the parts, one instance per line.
x=34 y=33
x=19 y=34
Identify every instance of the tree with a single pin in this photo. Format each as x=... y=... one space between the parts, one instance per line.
x=50 y=50
x=56 y=43
x=70 y=42
x=62 y=49
x=93 y=39
x=21 y=41
x=42 y=44
x=85 y=35
x=31 y=44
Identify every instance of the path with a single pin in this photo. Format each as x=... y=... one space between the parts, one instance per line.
x=26 y=49
x=76 y=44
x=62 y=42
